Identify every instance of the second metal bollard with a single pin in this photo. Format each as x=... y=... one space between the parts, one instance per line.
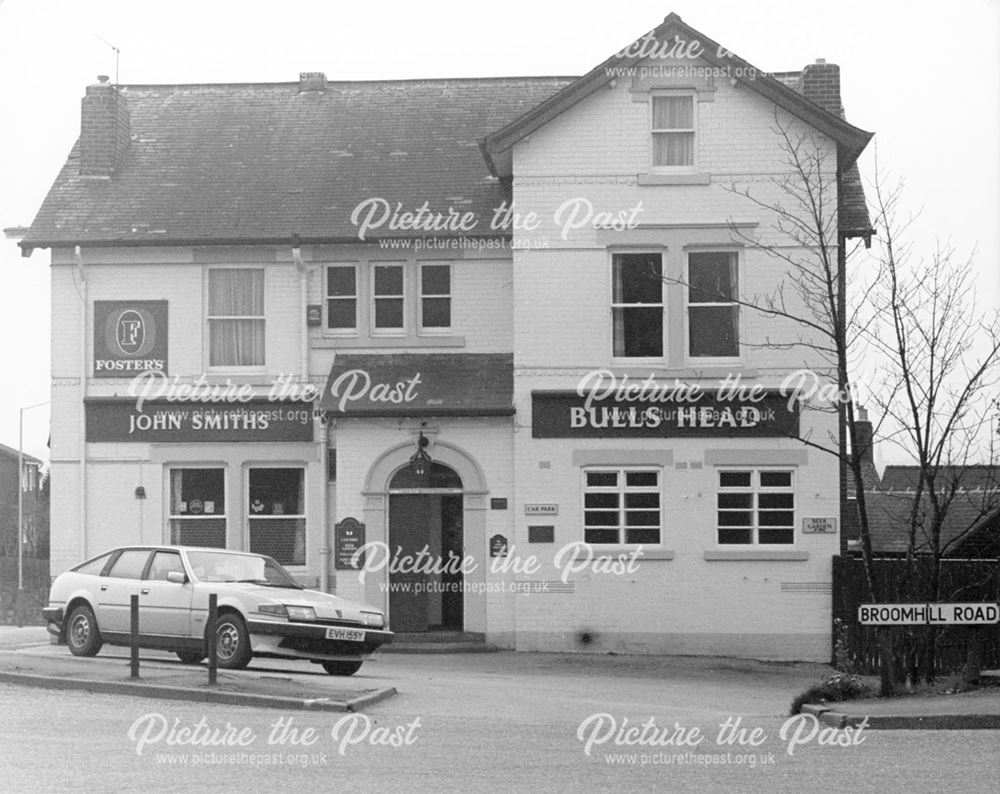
x=134 y=635
x=213 y=616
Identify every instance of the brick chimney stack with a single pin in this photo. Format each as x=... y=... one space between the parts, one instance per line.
x=821 y=84
x=865 y=449
x=104 y=129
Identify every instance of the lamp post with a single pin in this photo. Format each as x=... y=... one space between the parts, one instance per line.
x=19 y=603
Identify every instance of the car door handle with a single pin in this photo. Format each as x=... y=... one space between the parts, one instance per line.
x=144 y=591
x=104 y=587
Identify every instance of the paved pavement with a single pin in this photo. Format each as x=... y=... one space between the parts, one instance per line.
x=28 y=657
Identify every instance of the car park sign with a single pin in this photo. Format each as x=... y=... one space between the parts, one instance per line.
x=974 y=614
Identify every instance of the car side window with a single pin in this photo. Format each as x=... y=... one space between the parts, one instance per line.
x=164 y=562
x=129 y=564
x=95 y=566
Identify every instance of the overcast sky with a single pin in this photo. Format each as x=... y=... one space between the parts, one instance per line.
x=925 y=77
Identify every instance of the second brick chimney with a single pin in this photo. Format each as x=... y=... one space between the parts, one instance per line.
x=821 y=84
x=104 y=129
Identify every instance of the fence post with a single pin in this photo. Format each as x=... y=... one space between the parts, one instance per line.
x=213 y=616
x=134 y=635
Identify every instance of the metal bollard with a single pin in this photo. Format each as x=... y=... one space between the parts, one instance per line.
x=213 y=617
x=134 y=636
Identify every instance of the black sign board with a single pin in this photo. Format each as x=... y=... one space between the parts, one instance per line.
x=129 y=337
x=541 y=534
x=119 y=421
x=567 y=415
x=499 y=503
x=498 y=546
x=348 y=537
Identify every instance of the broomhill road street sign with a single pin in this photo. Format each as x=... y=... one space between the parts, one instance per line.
x=975 y=614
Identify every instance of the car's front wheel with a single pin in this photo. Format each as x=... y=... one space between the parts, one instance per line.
x=342 y=668
x=232 y=642
x=82 y=635
x=190 y=657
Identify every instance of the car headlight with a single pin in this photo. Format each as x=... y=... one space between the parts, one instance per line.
x=300 y=613
x=376 y=619
x=288 y=611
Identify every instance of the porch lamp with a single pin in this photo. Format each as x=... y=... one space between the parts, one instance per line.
x=420 y=463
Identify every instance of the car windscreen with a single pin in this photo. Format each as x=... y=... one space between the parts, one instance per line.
x=214 y=566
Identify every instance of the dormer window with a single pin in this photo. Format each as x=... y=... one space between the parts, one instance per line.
x=673 y=130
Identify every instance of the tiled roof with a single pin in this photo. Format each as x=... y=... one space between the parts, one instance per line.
x=261 y=162
x=971 y=514
x=899 y=478
x=10 y=452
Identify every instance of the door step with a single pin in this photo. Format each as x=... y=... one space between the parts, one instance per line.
x=438 y=642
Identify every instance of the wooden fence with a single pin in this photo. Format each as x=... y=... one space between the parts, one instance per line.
x=961 y=581
x=35 y=574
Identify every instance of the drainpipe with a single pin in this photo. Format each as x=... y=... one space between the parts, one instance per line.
x=303 y=309
x=324 y=503
x=81 y=273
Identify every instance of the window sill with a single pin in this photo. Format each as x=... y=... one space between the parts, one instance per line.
x=356 y=342
x=652 y=179
x=600 y=552
x=756 y=554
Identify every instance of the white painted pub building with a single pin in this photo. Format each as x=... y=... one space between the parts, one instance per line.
x=454 y=347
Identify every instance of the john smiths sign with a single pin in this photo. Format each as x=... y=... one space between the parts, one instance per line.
x=119 y=421
x=129 y=337
x=570 y=415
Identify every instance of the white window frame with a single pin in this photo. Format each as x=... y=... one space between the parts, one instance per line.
x=248 y=514
x=621 y=489
x=662 y=305
x=404 y=266
x=234 y=368
x=756 y=489
x=438 y=329
x=693 y=132
x=693 y=360
x=226 y=515
x=327 y=298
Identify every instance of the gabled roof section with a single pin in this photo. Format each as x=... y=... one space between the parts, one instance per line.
x=259 y=163
x=850 y=140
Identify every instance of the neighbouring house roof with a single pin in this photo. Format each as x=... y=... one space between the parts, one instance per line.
x=980 y=476
x=209 y=164
x=11 y=452
x=971 y=522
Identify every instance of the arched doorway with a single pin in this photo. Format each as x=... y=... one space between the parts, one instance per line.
x=426 y=539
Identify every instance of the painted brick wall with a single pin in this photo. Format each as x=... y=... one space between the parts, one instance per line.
x=774 y=608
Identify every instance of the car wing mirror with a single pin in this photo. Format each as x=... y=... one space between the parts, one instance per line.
x=177 y=577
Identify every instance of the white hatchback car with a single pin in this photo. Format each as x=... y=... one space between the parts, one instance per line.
x=262 y=611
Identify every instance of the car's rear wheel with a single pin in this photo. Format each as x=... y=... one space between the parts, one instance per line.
x=232 y=642
x=342 y=668
x=82 y=635
x=190 y=657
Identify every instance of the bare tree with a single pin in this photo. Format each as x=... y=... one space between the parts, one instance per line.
x=940 y=365
x=936 y=359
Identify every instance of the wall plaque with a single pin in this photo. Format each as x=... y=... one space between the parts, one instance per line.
x=498 y=546
x=348 y=537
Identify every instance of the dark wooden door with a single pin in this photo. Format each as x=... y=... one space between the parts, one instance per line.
x=409 y=532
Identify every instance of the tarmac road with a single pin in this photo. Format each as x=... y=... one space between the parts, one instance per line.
x=505 y=721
